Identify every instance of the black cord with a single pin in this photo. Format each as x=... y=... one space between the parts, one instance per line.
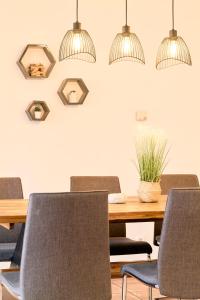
x=172 y=14
x=126 y=11
x=76 y=10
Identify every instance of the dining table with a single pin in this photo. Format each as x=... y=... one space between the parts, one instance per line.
x=133 y=210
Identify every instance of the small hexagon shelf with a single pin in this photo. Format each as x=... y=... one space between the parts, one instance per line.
x=37 y=111
x=73 y=91
x=36 y=62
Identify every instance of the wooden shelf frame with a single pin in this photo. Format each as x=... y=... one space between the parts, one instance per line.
x=48 y=54
x=31 y=109
x=81 y=85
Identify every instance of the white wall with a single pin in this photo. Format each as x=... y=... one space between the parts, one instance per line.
x=96 y=138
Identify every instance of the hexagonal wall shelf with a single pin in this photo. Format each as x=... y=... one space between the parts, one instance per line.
x=73 y=91
x=37 y=111
x=36 y=62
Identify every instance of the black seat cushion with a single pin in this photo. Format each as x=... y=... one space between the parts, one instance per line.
x=125 y=246
x=6 y=251
x=145 y=272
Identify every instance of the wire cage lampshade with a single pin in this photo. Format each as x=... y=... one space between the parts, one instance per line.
x=126 y=46
x=173 y=50
x=77 y=43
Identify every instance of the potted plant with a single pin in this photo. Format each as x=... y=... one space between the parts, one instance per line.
x=38 y=113
x=72 y=97
x=151 y=155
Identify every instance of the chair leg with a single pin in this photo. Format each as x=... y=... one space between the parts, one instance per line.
x=6 y=295
x=150 y=293
x=150 y=288
x=124 y=287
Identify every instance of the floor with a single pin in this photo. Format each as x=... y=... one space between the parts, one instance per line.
x=136 y=290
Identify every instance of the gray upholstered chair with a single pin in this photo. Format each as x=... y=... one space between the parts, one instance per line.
x=66 y=251
x=177 y=271
x=119 y=243
x=169 y=181
x=10 y=188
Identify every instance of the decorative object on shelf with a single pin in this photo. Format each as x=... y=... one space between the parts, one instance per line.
x=116 y=198
x=36 y=62
x=73 y=91
x=173 y=50
x=126 y=46
x=151 y=154
x=36 y=70
x=77 y=43
x=37 y=111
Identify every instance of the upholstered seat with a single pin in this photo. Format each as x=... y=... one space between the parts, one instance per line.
x=6 y=251
x=146 y=272
x=177 y=271
x=119 y=243
x=58 y=261
x=169 y=181
x=11 y=280
x=125 y=246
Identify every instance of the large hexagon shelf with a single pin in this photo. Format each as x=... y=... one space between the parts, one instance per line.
x=73 y=91
x=36 y=62
x=37 y=111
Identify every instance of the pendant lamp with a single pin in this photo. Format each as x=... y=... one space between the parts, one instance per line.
x=126 y=46
x=77 y=43
x=173 y=50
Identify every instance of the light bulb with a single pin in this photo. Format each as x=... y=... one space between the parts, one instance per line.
x=126 y=45
x=76 y=42
x=173 y=49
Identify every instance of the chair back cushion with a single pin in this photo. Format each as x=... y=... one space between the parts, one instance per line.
x=169 y=181
x=97 y=183
x=66 y=251
x=179 y=259
x=10 y=188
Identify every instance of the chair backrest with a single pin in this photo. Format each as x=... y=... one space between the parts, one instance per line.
x=179 y=259
x=66 y=251
x=97 y=183
x=10 y=188
x=169 y=181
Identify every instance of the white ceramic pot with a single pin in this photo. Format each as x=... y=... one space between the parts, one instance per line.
x=73 y=97
x=149 y=191
x=38 y=114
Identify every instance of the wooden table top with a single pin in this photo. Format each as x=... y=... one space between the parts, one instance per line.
x=15 y=211
x=134 y=210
